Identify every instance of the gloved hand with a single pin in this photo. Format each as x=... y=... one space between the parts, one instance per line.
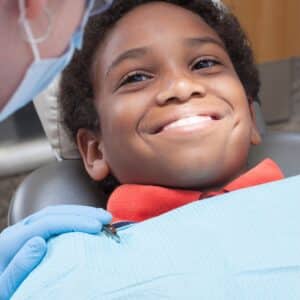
x=23 y=245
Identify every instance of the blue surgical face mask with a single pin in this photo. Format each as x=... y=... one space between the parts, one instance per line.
x=42 y=71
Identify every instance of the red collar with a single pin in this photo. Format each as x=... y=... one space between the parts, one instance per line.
x=132 y=202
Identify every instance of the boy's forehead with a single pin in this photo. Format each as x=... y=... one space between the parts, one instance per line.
x=152 y=23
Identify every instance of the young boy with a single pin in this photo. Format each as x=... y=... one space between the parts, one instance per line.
x=160 y=102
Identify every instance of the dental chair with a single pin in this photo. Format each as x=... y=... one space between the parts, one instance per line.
x=66 y=182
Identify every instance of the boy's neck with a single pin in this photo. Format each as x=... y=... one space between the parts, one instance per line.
x=217 y=186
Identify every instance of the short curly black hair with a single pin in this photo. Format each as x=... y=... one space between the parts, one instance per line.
x=76 y=89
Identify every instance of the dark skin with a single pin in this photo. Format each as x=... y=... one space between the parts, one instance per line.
x=173 y=111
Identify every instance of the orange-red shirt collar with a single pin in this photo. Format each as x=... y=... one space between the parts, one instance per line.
x=132 y=202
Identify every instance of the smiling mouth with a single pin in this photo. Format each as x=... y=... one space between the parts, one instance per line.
x=188 y=123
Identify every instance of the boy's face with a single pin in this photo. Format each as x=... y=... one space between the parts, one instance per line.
x=173 y=111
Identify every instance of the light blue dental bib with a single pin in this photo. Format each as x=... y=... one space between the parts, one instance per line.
x=241 y=245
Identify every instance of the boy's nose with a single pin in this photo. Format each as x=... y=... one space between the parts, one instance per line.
x=181 y=90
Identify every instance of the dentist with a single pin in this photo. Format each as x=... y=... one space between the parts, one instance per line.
x=38 y=39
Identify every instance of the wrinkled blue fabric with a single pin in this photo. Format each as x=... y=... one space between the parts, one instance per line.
x=241 y=245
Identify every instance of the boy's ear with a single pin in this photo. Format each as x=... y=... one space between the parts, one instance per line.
x=91 y=150
x=255 y=135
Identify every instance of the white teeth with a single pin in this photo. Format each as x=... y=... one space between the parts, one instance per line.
x=188 y=121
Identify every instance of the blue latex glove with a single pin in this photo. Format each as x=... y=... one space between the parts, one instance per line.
x=23 y=245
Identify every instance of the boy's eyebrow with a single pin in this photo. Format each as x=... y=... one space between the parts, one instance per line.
x=131 y=54
x=203 y=40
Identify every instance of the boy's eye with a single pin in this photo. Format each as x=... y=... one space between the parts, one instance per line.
x=205 y=63
x=134 y=78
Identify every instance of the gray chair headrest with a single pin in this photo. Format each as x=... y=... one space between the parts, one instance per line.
x=282 y=147
x=61 y=182
x=47 y=107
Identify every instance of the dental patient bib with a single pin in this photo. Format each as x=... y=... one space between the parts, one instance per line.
x=240 y=245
